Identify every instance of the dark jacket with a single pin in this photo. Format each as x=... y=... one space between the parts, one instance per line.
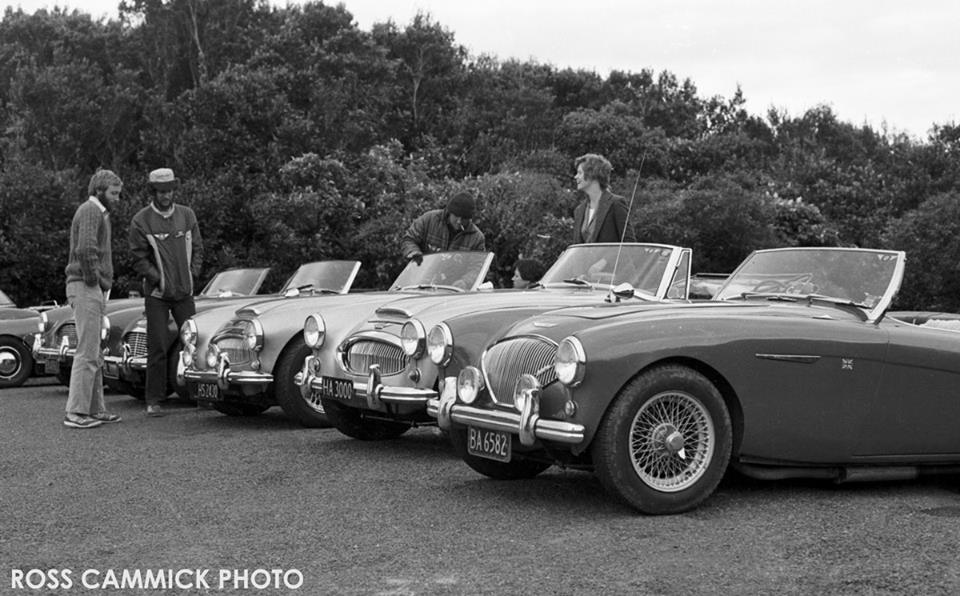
x=167 y=251
x=431 y=233
x=611 y=220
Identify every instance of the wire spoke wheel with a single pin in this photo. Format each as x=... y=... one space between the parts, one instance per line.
x=672 y=441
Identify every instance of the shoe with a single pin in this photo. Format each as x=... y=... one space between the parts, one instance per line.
x=81 y=421
x=155 y=411
x=106 y=417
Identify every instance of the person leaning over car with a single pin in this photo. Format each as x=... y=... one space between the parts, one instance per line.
x=89 y=274
x=602 y=216
x=527 y=272
x=450 y=228
x=165 y=241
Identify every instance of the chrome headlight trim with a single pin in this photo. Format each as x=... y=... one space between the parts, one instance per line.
x=469 y=384
x=440 y=344
x=570 y=361
x=314 y=331
x=413 y=338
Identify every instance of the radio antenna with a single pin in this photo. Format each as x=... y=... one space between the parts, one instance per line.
x=623 y=234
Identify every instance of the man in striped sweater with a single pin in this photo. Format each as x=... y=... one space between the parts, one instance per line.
x=89 y=274
x=167 y=250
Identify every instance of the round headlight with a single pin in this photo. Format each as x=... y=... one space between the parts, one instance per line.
x=188 y=333
x=213 y=352
x=314 y=331
x=469 y=384
x=105 y=328
x=570 y=361
x=412 y=338
x=253 y=334
x=440 y=344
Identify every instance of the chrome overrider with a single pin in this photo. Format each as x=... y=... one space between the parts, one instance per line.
x=452 y=406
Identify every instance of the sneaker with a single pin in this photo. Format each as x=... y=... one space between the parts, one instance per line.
x=81 y=421
x=154 y=411
x=106 y=417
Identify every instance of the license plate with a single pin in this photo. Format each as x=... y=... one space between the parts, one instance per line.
x=334 y=388
x=51 y=367
x=490 y=444
x=208 y=392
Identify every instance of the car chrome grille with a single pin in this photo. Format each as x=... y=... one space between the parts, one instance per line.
x=504 y=362
x=238 y=354
x=137 y=340
x=362 y=354
x=68 y=330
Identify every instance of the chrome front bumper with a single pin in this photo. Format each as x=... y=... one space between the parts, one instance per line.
x=527 y=423
x=223 y=376
x=373 y=389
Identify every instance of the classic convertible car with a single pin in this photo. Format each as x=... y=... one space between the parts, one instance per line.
x=18 y=326
x=125 y=364
x=241 y=363
x=794 y=369
x=375 y=384
x=55 y=345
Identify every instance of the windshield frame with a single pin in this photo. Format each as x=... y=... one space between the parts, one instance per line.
x=872 y=314
x=477 y=282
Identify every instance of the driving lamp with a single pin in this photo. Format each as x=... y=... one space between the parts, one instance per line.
x=412 y=338
x=188 y=333
x=105 y=328
x=570 y=361
x=314 y=331
x=526 y=385
x=253 y=335
x=469 y=384
x=43 y=322
x=440 y=344
x=213 y=354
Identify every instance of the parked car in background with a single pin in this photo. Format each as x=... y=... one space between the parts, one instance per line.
x=376 y=382
x=125 y=363
x=243 y=361
x=55 y=345
x=18 y=326
x=794 y=369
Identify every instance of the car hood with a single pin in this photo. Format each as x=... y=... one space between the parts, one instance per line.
x=14 y=314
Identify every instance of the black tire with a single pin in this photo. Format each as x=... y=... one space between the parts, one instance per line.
x=516 y=469
x=640 y=451
x=239 y=409
x=306 y=411
x=352 y=423
x=16 y=362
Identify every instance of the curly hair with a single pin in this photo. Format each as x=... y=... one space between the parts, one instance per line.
x=101 y=180
x=530 y=269
x=595 y=167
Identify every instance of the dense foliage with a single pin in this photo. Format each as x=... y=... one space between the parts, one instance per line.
x=300 y=137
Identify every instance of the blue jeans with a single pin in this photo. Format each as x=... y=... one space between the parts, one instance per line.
x=86 y=382
x=160 y=340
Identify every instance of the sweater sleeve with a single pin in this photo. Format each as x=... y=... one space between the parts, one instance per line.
x=413 y=237
x=88 y=245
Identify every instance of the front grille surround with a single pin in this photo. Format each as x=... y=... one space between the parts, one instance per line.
x=137 y=342
x=68 y=330
x=357 y=356
x=504 y=362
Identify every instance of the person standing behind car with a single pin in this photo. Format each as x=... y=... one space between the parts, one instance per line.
x=89 y=274
x=602 y=216
x=450 y=228
x=167 y=248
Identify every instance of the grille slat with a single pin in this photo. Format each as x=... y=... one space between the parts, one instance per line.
x=70 y=331
x=360 y=355
x=236 y=350
x=137 y=340
x=504 y=362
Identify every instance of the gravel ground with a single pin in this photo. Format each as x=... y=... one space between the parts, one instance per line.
x=199 y=490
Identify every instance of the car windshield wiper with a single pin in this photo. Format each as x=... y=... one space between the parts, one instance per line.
x=577 y=281
x=770 y=296
x=432 y=287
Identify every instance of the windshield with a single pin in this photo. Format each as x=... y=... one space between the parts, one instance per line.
x=236 y=282
x=643 y=266
x=5 y=300
x=456 y=271
x=863 y=277
x=334 y=276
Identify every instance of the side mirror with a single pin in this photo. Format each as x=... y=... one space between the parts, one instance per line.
x=619 y=292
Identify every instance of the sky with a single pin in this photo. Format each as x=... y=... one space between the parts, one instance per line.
x=890 y=64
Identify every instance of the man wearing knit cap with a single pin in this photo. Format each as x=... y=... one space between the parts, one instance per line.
x=450 y=228
x=89 y=279
x=166 y=245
